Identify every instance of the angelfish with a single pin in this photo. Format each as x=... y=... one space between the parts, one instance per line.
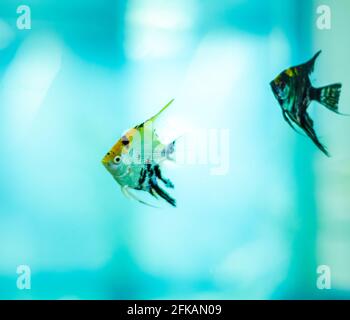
x=135 y=161
x=294 y=93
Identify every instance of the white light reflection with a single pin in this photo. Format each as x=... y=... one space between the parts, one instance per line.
x=27 y=81
x=6 y=35
x=157 y=29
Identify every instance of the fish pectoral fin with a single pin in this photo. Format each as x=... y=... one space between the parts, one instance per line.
x=126 y=191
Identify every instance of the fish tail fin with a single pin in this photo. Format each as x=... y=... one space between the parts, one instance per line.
x=328 y=96
x=169 y=150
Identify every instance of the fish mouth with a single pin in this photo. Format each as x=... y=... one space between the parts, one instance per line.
x=104 y=161
x=275 y=91
x=274 y=88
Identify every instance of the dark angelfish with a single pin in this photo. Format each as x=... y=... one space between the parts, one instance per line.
x=294 y=92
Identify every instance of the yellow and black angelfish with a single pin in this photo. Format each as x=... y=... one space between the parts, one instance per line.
x=294 y=92
x=135 y=161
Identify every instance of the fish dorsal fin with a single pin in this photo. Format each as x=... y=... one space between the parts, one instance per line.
x=307 y=67
x=155 y=116
x=160 y=112
x=310 y=65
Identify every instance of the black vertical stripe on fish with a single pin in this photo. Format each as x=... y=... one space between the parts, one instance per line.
x=144 y=173
x=142 y=178
x=152 y=192
x=159 y=175
x=150 y=171
x=162 y=193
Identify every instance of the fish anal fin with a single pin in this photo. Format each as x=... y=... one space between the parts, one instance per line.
x=160 y=176
x=126 y=191
x=307 y=125
x=162 y=193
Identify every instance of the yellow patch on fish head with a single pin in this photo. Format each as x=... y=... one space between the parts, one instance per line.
x=277 y=80
x=121 y=147
x=290 y=72
x=115 y=151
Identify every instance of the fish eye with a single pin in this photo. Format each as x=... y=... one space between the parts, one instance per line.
x=283 y=92
x=117 y=159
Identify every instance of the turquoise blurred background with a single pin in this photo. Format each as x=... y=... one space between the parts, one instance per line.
x=88 y=70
